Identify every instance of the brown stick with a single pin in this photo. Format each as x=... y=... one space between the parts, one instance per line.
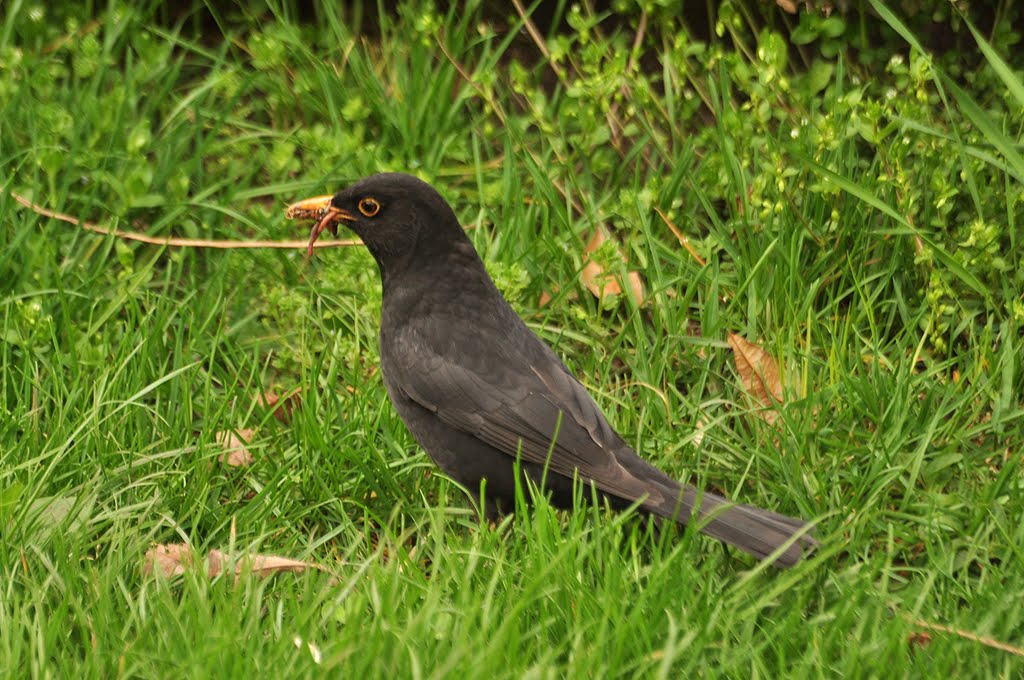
x=173 y=240
x=967 y=635
x=683 y=241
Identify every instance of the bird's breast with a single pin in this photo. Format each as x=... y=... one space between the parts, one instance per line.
x=470 y=325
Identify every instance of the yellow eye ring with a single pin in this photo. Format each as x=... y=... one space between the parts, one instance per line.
x=369 y=207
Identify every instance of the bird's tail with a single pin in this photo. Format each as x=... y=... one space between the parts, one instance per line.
x=754 y=530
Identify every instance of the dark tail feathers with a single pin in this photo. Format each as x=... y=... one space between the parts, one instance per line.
x=754 y=530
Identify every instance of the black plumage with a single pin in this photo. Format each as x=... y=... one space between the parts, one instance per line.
x=477 y=388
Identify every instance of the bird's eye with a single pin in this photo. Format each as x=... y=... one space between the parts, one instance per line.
x=369 y=207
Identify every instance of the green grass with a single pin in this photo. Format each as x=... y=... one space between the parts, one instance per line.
x=860 y=221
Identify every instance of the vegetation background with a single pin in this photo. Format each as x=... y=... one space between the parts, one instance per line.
x=843 y=186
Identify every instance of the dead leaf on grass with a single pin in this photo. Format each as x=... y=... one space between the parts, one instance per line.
x=261 y=566
x=606 y=284
x=173 y=559
x=760 y=375
x=283 y=404
x=170 y=559
x=546 y=297
x=236 y=451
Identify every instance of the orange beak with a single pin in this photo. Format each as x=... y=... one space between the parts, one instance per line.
x=322 y=212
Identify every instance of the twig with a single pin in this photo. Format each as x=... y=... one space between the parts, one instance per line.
x=967 y=635
x=683 y=241
x=537 y=38
x=498 y=111
x=173 y=240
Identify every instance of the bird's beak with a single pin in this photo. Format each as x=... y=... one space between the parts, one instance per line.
x=322 y=212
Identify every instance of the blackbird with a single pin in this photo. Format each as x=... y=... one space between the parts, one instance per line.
x=478 y=390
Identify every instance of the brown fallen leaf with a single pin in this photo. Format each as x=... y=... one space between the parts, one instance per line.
x=760 y=375
x=283 y=405
x=173 y=559
x=606 y=284
x=261 y=566
x=170 y=559
x=236 y=452
x=546 y=297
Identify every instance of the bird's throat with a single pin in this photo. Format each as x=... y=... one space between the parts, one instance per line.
x=432 y=279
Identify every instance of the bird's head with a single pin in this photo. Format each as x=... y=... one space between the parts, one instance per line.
x=397 y=216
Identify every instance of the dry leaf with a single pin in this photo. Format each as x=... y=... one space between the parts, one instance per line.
x=760 y=375
x=173 y=559
x=236 y=453
x=546 y=297
x=167 y=560
x=787 y=5
x=605 y=284
x=283 y=405
x=261 y=566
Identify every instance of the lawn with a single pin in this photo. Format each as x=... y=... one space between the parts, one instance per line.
x=846 y=193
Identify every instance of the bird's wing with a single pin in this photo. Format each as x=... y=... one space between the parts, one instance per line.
x=534 y=409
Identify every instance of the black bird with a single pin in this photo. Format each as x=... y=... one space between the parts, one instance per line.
x=477 y=388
